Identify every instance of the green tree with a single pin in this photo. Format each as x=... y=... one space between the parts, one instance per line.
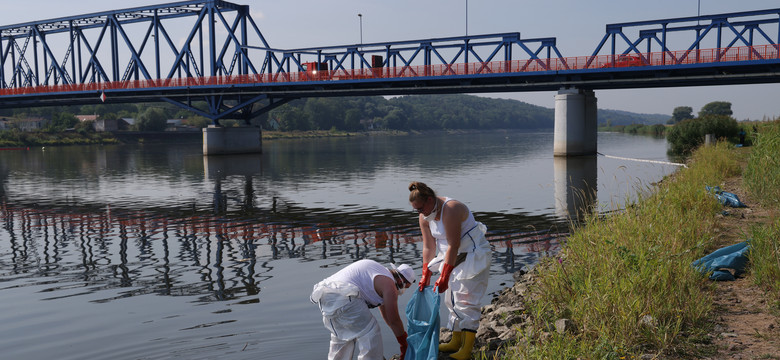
x=716 y=108
x=352 y=120
x=197 y=121
x=62 y=121
x=151 y=119
x=689 y=134
x=325 y=113
x=291 y=118
x=681 y=113
x=396 y=120
x=229 y=122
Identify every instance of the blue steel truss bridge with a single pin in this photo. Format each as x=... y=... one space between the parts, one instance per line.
x=210 y=57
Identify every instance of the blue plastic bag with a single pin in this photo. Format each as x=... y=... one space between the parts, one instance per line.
x=725 y=197
x=729 y=257
x=422 y=313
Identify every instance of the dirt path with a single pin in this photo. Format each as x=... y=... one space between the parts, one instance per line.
x=745 y=328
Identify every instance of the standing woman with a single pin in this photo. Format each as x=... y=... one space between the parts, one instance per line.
x=454 y=244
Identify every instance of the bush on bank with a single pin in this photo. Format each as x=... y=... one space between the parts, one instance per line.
x=689 y=134
x=626 y=280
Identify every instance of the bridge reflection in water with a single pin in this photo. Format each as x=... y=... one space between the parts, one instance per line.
x=212 y=256
x=224 y=253
x=226 y=250
x=575 y=186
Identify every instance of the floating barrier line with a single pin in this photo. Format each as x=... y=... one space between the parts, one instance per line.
x=643 y=160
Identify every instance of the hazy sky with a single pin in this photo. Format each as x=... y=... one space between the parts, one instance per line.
x=578 y=26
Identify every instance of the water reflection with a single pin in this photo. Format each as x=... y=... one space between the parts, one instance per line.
x=160 y=233
x=575 y=186
x=211 y=256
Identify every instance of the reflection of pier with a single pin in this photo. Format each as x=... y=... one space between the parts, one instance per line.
x=575 y=186
x=159 y=251
x=217 y=168
x=225 y=251
x=149 y=253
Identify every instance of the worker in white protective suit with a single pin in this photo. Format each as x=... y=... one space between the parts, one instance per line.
x=454 y=244
x=345 y=298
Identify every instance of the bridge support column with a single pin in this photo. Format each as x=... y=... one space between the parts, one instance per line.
x=575 y=123
x=232 y=140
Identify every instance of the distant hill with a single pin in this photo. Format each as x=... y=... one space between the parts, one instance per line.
x=484 y=112
x=429 y=112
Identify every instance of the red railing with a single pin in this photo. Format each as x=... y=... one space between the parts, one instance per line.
x=705 y=56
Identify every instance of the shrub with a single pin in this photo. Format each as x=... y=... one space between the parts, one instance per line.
x=689 y=134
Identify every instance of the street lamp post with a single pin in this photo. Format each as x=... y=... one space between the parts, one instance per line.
x=360 y=16
x=467 y=17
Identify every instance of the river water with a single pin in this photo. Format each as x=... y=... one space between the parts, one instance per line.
x=156 y=252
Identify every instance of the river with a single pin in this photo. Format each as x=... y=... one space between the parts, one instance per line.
x=154 y=251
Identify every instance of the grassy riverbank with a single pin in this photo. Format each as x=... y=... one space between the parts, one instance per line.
x=10 y=138
x=625 y=280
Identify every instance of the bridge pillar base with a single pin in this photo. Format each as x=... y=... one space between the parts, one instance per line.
x=575 y=131
x=232 y=140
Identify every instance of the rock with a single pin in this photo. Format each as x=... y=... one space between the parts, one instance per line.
x=509 y=334
x=445 y=335
x=518 y=275
x=514 y=319
x=485 y=332
x=563 y=326
x=647 y=321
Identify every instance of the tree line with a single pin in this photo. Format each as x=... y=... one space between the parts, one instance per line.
x=429 y=112
x=684 y=131
x=405 y=113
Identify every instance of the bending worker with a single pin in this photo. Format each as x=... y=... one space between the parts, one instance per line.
x=455 y=245
x=344 y=299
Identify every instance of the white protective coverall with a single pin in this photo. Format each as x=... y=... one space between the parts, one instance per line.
x=344 y=299
x=469 y=279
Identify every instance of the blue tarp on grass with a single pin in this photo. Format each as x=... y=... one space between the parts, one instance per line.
x=725 y=198
x=730 y=257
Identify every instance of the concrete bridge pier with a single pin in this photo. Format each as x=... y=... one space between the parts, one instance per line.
x=219 y=140
x=575 y=122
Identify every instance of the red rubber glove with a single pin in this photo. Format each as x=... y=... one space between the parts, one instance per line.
x=444 y=278
x=425 y=280
x=402 y=341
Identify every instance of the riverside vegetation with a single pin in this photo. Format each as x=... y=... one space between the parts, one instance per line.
x=622 y=287
x=308 y=117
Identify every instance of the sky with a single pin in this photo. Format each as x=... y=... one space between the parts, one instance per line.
x=577 y=25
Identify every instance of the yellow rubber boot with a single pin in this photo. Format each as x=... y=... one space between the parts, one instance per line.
x=454 y=344
x=465 y=350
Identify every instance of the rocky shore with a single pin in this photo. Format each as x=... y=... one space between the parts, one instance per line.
x=502 y=319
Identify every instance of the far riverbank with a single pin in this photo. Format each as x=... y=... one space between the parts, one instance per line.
x=10 y=139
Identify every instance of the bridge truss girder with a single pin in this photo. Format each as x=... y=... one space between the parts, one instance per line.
x=740 y=30
x=134 y=44
x=404 y=54
x=219 y=39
